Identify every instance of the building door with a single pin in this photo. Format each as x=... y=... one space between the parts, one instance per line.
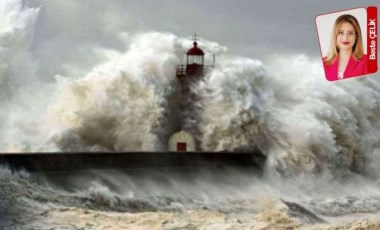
x=181 y=146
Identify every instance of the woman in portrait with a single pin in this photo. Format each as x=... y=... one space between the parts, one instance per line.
x=346 y=57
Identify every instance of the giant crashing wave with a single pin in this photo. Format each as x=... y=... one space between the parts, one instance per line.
x=293 y=115
x=285 y=107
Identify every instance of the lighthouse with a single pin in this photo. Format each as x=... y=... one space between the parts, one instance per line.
x=194 y=68
x=187 y=138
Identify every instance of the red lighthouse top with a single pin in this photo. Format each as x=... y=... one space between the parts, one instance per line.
x=195 y=50
x=194 y=68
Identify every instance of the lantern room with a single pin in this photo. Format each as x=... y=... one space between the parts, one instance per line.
x=195 y=55
x=194 y=67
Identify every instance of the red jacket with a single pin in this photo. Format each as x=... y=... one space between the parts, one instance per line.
x=354 y=68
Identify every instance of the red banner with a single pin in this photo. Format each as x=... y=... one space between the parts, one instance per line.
x=372 y=40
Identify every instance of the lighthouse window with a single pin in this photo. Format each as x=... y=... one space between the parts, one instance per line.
x=195 y=59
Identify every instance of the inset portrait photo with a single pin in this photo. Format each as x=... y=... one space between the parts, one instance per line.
x=343 y=42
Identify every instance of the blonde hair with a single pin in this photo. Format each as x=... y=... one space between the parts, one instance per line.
x=357 y=49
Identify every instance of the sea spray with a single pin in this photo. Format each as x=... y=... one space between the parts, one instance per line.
x=300 y=121
x=16 y=35
x=18 y=79
x=121 y=105
x=232 y=105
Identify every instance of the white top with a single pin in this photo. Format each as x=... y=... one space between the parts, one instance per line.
x=340 y=75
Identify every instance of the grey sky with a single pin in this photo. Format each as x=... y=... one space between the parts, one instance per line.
x=245 y=27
